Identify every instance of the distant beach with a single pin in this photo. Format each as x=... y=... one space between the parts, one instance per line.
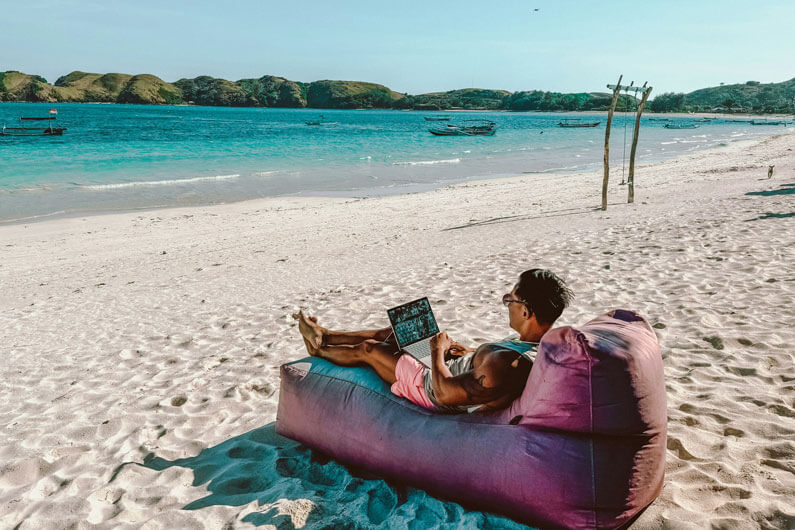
x=141 y=349
x=130 y=157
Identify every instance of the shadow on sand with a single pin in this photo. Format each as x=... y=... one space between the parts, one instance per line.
x=784 y=189
x=525 y=217
x=305 y=488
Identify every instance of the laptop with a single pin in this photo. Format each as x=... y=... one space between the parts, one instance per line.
x=413 y=324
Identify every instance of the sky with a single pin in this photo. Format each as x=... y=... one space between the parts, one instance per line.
x=410 y=46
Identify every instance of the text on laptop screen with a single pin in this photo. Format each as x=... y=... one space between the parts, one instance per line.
x=413 y=322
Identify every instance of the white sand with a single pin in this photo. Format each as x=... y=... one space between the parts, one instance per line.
x=155 y=338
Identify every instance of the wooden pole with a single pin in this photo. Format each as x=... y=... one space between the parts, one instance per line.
x=607 y=142
x=631 y=178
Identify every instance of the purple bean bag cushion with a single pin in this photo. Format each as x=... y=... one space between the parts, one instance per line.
x=582 y=447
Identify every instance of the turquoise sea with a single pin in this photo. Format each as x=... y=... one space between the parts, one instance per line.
x=123 y=157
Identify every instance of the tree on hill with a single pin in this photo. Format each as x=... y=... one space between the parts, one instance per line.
x=271 y=91
x=211 y=91
x=668 y=102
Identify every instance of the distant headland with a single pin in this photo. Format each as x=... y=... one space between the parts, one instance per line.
x=272 y=91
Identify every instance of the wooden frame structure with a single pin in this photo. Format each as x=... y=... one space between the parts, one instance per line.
x=617 y=88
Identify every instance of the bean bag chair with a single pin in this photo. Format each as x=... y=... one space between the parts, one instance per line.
x=582 y=447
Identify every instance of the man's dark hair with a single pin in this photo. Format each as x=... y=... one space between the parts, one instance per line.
x=544 y=294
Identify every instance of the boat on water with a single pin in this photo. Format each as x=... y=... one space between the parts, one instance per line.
x=467 y=128
x=436 y=118
x=703 y=120
x=681 y=126
x=768 y=122
x=577 y=123
x=737 y=121
x=659 y=119
x=35 y=131
x=321 y=121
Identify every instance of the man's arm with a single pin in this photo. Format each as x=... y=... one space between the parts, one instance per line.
x=475 y=387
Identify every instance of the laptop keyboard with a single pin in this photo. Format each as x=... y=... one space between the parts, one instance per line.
x=421 y=350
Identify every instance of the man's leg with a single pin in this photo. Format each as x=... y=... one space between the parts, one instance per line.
x=354 y=337
x=318 y=336
x=378 y=355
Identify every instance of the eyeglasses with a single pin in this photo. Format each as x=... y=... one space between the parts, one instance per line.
x=507 y=300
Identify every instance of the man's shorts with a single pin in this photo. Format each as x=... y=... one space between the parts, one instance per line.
x=409 y=373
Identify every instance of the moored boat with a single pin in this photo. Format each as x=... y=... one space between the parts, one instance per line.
x=681 y=126
x=577 y=123
x=468 y=128
x=35 y=131
x=768 y=122
x=321 y=121
x=436 y=118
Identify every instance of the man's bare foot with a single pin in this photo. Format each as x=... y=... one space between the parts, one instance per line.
x=310 y=331
x=310 y=350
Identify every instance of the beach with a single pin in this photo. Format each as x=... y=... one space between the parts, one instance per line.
x=142 y=349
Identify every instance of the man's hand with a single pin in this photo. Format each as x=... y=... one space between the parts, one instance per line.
x=457 y=350
x=441 y=342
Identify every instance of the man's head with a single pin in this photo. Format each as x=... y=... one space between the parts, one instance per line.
x=536 y=302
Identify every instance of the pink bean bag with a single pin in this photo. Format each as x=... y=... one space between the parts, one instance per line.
x=582 y=447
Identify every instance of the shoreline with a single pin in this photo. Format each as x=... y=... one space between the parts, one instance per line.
x=718 y=115
x=141 y=378
x=364 y=193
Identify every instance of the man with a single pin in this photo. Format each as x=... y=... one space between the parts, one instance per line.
x=459 y=378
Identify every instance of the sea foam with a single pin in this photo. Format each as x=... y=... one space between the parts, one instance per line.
x=154 y=183
x=428 y=162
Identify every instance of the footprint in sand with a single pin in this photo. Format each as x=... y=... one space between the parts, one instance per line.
x=731 y=431
x=676 y=446
x=778 y=464
x=738 y=370
x=715 y=341
x=723 y=420
x=781 y=410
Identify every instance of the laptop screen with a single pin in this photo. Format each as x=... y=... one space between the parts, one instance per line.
x=413 y=322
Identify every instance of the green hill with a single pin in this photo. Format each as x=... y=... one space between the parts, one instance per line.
x=211 y=91
x=751 y=96
x=16 y=86
x=148 y=89
x=82 y=86
x=465 y=98
x=554 y=101
x=272 y=91
x=350 y=95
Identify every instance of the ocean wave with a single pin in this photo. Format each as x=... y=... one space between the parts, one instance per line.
x=26 y=189
x=154 y=183
x=554 y=169
x=263 y=173
x=428 y=162
x=32 y=217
